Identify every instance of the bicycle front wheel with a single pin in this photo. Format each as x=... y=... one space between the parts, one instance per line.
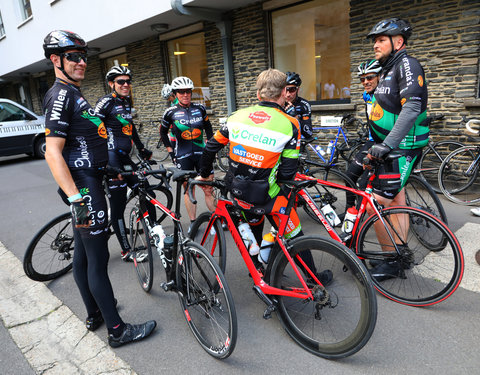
x=458 y=175
x=341 y=318
x=161 y=193
x=213 y=241
x=140 y=242
x=418 y=275
x=222 y=158
x=50 y=253
x=206 y=300
x=420 y=194
x=431 y=159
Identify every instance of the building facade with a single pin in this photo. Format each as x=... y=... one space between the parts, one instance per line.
x=223 y=50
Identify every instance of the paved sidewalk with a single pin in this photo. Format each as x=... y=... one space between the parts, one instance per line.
x=50 y=336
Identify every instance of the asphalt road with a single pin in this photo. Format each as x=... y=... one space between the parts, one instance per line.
x=442 y=339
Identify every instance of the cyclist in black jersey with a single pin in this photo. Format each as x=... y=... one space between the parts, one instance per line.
x=396 y=119
x=188 y=121
x=298 y=107
x=76 y=153
x=115 y=110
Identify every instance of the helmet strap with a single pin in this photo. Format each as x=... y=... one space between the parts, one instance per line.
x=62 y=69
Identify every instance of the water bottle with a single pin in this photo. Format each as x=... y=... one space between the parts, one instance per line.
x=158 y=236
x=349 y=221
x=267 y=245
x=166 y=253
x=331 y=215
x=320 y=150
x=330 y=147
x=249 y=238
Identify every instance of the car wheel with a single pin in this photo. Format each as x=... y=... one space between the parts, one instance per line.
x=40 y=148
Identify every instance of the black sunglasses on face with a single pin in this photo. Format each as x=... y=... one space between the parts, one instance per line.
x=291 y=89
x=187 y=91
x=76 y=57
x=368 y=78
x=121 y=82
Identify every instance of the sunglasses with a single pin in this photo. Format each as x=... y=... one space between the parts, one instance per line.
x=368 y=78
x=121 y=82
x=291 y=90
x=76 y=57
x=186 y=91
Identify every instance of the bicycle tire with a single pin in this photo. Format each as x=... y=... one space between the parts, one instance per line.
x=426 y=277
x=429 y=163
x=140 y=242
x=162 y=194
x=214 y=242
x=340 y=200
x=223 y=158
x=206 y=300
x=50 y=253
x=458 y=176
x=342 y=317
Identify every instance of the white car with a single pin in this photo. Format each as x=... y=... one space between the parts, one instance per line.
x=21 y=130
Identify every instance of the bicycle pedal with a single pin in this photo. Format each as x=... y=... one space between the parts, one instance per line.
x=267 y=314
x=168 y=286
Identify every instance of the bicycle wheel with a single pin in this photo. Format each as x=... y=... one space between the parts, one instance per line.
x=213 y=241
x=432 y=157
x=222 y=158
x=458 y=175
x=140 y=242
x=162 y=194
x=341 y=318
x=420 y=194
x=340 y=200
x=206 y=300
x=50 y=253
x=425 y=276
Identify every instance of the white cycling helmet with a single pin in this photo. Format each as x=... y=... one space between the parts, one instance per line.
x=182 y=83
x=369 y=66
x=116 y=71
x=166 y=91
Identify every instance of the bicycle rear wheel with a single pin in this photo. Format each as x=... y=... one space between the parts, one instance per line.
x=431 y=159
x=420 y=194
x=206 y=301
x=341 y=318
x=424 y=276
x=161 y=193
x=340 y=200
x=140 y=242
x=213 y=241
x=222 y=158
x=458 y=175
x=50 y=253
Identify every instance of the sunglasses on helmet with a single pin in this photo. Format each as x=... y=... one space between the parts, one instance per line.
x=76 y=57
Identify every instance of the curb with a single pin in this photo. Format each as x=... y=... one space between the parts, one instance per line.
x=49 y=335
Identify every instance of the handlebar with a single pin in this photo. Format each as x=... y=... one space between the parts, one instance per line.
x=220 y=184
x=469 y=124
x=142 y=173
x=392 y=155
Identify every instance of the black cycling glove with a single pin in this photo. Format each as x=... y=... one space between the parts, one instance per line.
x=380 y=150
x=80 y=212
x=112 y=172
x=172 y=156
x=145 y=154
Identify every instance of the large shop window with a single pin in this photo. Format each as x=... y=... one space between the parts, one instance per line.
x=188 y=57
x=313 y=39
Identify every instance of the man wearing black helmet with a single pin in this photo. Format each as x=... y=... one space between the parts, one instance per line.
x=399 y=108
x=77 y=155
x=115 y=110
x=298 y=107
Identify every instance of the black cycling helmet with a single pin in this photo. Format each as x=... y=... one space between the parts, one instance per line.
x=59 y=41
x=116 y=71
x=293 y=79
x=391 y=26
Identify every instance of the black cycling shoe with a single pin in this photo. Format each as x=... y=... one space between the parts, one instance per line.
x=132 y=333
x=325 y=277
x=385 y=271
x=93 y=322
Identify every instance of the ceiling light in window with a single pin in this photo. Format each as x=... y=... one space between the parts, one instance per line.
x=177 y=53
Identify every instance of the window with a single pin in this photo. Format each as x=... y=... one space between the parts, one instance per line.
x=2 y=28
x=10 y=112
x=188 y=57
x=313 y=39
x=25 y=9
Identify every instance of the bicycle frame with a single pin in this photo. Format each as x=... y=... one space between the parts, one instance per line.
x=332 y=154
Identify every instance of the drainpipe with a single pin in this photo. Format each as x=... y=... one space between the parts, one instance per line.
x=225 y=27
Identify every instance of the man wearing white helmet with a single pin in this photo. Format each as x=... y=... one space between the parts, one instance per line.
x=169 y=96
x=188 y=121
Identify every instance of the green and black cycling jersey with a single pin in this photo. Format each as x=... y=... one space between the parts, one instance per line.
x=68 y=115
x=400 y=104
x=188 y=125
x=116 y=113
x=302 y=110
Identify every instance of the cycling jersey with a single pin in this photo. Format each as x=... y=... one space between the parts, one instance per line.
x=400 y=87
x=264 y=146
x=302 y=110
x=188 y=125
x=116 y=112
x=68 y=115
